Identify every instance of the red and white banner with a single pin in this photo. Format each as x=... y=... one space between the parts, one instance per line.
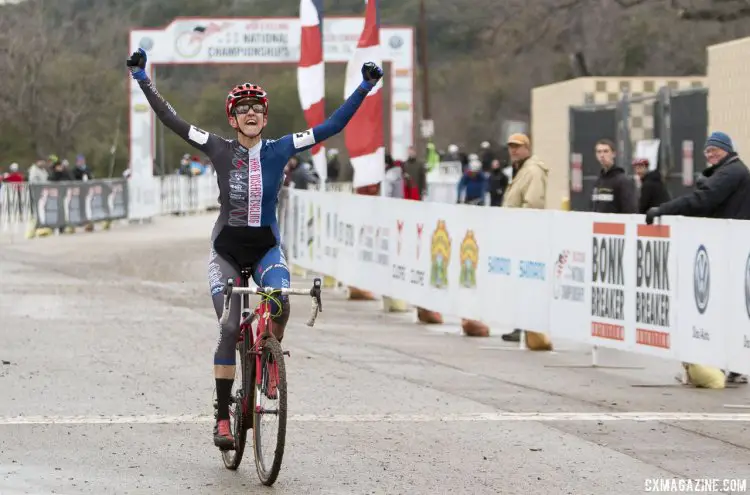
x=311 y=75
x=364 y=133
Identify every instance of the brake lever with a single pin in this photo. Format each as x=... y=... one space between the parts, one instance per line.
x=315 y=292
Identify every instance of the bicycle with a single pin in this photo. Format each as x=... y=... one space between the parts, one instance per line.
x=262 y=374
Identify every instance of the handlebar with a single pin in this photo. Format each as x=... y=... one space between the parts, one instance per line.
x=314 y=293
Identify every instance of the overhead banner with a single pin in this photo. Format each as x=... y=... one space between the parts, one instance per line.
x=262 y=41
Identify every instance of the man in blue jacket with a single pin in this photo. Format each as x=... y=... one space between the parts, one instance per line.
x=475 y=184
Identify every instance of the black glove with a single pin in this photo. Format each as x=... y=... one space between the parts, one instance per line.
x=652 y=213
x=371 y=73
x=137 y=64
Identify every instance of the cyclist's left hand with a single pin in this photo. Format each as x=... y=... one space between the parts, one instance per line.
x=137 y=64
x=371 y=73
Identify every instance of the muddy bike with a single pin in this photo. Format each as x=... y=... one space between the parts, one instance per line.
x=259 y=401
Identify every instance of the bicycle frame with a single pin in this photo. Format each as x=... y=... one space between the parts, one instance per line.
x=261 y=313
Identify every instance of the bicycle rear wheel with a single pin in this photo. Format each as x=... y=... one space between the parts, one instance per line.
x=237 y=406
x=269 y=413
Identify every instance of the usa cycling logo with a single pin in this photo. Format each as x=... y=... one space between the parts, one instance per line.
x=701 y=279
x=747 y=286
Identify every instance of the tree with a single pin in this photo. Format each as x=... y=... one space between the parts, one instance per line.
x=48 y=89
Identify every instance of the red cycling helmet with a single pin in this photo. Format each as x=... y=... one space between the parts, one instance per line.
x=246 y=90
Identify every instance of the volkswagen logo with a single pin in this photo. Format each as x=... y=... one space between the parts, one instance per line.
x=396 y=42
x=701 y=279
x=747 y=286
x=146 y=44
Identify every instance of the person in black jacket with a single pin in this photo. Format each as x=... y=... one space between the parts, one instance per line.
x=498 y=183
x=613 y=192
x=653 y=190
x=722 y=191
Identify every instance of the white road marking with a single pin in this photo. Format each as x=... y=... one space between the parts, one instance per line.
x=386 y=418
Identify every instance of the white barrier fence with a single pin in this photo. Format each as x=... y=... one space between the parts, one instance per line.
x=15 y=208
x=680 y=290
x=164 y=195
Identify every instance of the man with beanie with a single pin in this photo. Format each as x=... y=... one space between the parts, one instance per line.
x=722 y=191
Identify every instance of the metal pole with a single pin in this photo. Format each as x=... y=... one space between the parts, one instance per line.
x=423 y=62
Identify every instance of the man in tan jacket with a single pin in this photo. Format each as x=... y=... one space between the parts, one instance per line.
x=528 y=189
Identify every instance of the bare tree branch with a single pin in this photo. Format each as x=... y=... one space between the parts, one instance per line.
x=721 y=15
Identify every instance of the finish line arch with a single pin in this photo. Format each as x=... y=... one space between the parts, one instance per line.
x=270 y=40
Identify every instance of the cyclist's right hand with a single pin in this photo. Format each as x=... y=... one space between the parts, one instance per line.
x=371 y=73
x=137 y=64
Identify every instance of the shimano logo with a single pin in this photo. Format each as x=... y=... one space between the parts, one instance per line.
x=532 y=270
x=499 y=266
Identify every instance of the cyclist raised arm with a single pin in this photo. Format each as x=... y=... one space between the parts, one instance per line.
x=249 y=173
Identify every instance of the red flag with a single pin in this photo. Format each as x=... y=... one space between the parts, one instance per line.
x=364 y=133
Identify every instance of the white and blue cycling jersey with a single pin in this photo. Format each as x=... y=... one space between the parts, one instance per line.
x=249 y=180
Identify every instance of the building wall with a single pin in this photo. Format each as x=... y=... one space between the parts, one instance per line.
x=550 y=107
x=729 y=96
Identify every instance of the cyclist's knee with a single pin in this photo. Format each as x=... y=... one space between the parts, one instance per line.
x=281 y=311
x=280 y=317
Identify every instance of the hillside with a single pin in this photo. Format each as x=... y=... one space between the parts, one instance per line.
x=64 y=90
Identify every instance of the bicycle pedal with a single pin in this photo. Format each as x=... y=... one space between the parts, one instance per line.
x=286 y=353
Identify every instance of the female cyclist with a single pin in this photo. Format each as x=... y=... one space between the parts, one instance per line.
x=249 y=172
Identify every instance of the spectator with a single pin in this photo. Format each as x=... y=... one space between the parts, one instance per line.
x=498 y=183
x=195 y=166
x=653 y=190
x=38 y=172
x=82 y=172
x=455 y=155
x=333 y=166
x=528 y=189
x=394 y=179
x=184 y=165
x=14 y=175
x=415 y=176
x=299 y=177
x=487 y=156
x=59 y=173
x=613 y=192
x=528 y=186
x=474 y=183
x=723 y=191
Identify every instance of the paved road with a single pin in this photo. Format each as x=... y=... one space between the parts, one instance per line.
x=117 y=328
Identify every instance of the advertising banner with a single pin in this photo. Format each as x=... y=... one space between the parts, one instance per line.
x=702 y=325
x=72 y=204
x=679 y=289
x=612 y=283
x=737 y=290
x=655 y=285
x=571 y=275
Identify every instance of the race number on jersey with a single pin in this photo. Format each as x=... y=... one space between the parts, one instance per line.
x=302 y=139
x=198 y=136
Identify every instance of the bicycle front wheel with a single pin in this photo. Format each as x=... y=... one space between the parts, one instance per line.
x=269 y=412
x=237 y=407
